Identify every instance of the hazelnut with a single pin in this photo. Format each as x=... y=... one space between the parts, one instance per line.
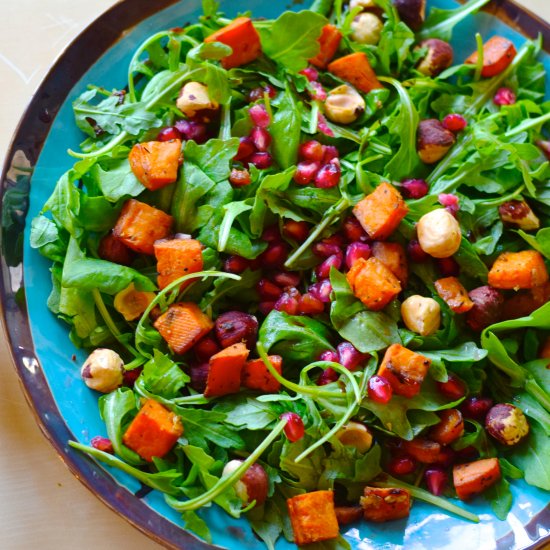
x=519 y=213
x=421 y=315
x=411 y=12
x=355 y=434
x=193 y=98
x=344 y=105
x=233 y=327
x=488 y=305
x=507 y=424
x=252 y=486
x=363 y=4
x=103 y=370
x=366 y=28
x=439 y=233
x=433 y=140
x=438 y=57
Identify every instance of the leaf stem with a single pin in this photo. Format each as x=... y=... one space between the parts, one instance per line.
x=479 y=64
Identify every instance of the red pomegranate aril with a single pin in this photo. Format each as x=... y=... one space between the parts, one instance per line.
x=261 y=160
x=311 y=150
x=287 y=304
x=258 y=93
x=504 y=96
x=544 y=146
x=261 y=138
x=240 y=178
x=476 y=408
x=268 y=290
x=414 y=189
x=327 y=376
x=453 y=389
x=274 y=256
x=129 y=377
x=353 y=230
x=415 y=252
x=436 y=480
x=297 y=231
x=379 y=389
x=355 y=251
x=259 y=116
x=349 y=356
x=205 y=348
x=448 y=267
x=246 y=148
x=317 y=92
x=310 y=305
x=322 y=271
x=450 y=202
x=102 y=444
x=401 y=466
x=326 y=248
x=236 y=264
x=266 y=307
x=330 y=152
x=285 y=278
x=323 y=127
x=454 y=122
x=271 y=234
x=321 y=290
x=328 y=175
x=168 y=134
x=306 y=172
x=310 y=73
x=328 y=355
x=447 y=457
x=192 y=130
x=294 y=429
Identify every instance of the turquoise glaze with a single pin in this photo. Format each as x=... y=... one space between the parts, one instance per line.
x=427 y=527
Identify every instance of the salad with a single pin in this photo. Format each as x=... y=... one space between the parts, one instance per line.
x=309 y=259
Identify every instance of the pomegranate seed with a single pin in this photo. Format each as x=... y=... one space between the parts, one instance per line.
x=504 y=96
x=326 y=248
x=240 y=178
x=322 y=271
x=236 y=264
x=270 y=91
x=454 y=122
x=317 y=92
x=415 y=252
x=258 y=93
x=311 y=150
x=310 y=73
x=353 y=230
x=450 y=202
x=287 y=304
x=261 y=160
x=436 y=480
x=306 y=172
x=168 y=134
x=448 y=267
x=259 y=116
x=544 y=146
x=330 y=153
x=349 y=356
x=246 y=148
x=414 y=189
x=329 y=175
x=192 y=130
x=102 y=444
x=328 y=355
x=453 y=389
x=266 y=307
x=380 y=389
x=321 y=290
x=310 y=305
x=298 y=231
x=271 y=234
x=355 y=251
x=476 y=407
x=284 y=279
x=446 y=457
x=294 y=429
x=274 y=256
x=205 y=348
x=261 y=138
x=323 y=127
x=327 y=376
x=401 y=466
x=129 y=377
x=267 y=290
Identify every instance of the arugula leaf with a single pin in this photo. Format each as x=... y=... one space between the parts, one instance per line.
x=194 y=523
x=286 y=130
x=115 y=179
x=48 y=239
x=266 y=522
x=77 y=307
x=161 y=376
x=540 y=241
x=306 y=473
x=245 y=412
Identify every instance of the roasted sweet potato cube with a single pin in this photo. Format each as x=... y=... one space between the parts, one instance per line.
x=498 y=53
x=515 y=270
x=524 y=302
x=381 y=212
x=155 y=163
x=425 y=451
x=473 y=478
x=140 y=225
x=176 y=258
x=449 y=429
x=348 y=514
x=313 y=517
x=255 y=375
x=114 y=250
x=404 y=369
x=356 y=69
x=373 y=283
x=385 y=504
x=183 y=325
x=224 y=373
x=452 y=292
x=329 y=42
x=393 y=256
x=153 y=432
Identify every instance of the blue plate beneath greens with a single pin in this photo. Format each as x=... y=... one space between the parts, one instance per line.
x=48 y=362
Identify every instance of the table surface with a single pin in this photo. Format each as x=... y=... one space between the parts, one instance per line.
x=41 y=503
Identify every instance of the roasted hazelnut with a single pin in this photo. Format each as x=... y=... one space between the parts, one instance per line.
x=252 y=486
x=233 y=327
x=507 y=424
x=194 y=98
x=344 y=105
x=355 y=434
x=439 y=233
x=488 y=303
x=366 y=28
x=433 y=140
x=421 y=315
x=438 y=57
x=103 y=370
x=519 y=214
x=363 y=4
x=411 y=12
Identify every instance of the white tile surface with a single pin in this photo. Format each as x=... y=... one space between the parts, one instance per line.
x=41 y=504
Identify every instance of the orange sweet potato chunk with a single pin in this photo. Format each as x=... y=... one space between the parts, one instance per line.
x=140 y=225
x=224 y=374
x=498 y=53
x=176 y=258
x=153 y=432
x=449 y=429
x=515 y=270
x=381 y=212
x=313 y=517
x=452 y=292
x=473 y=478
x=155 y=163
x=329 y=43
x=393 y=256
x=356 y=69
x=385 y=504
x=425 y=451
x=182 y=325
x=255 y=375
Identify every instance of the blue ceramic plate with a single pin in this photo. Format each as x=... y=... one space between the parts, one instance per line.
x=48 y=362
